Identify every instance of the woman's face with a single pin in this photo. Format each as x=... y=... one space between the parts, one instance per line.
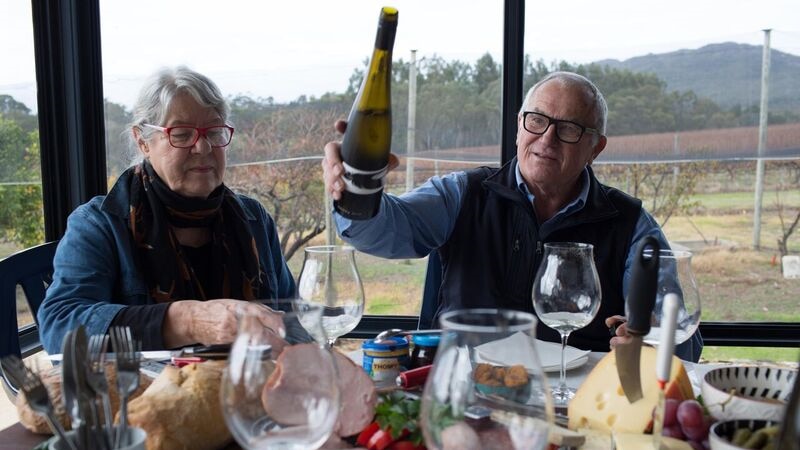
x=191 y=172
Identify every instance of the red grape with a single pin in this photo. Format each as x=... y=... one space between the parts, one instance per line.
x=693 y=423
x=673 y=431
x=671 y=412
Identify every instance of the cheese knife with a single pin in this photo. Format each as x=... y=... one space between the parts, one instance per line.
x=639 y=306
x=666 y=347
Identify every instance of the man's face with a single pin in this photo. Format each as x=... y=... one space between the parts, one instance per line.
x=548 y=164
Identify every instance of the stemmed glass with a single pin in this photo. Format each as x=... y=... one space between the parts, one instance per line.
x=487 y=385
x=675 y=275
x=330 y=278
x=279 y=388
x=566 y=297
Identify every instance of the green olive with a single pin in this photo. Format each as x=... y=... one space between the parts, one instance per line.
x=757 y=440
x=740 y=436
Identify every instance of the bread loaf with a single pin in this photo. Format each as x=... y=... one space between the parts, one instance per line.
x=51 y=378
x=181 y=409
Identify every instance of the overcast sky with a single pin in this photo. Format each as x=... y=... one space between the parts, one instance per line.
x=286 y=49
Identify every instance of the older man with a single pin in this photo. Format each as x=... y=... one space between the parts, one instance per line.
x=489 y=224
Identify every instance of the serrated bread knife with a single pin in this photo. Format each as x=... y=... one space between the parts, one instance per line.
x=638 y=307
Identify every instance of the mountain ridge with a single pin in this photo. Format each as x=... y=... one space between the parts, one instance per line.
x=728 y=73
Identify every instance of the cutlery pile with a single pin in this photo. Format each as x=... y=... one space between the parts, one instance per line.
x=85 y=388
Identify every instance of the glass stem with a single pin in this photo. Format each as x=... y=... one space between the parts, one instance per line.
x=562 y=380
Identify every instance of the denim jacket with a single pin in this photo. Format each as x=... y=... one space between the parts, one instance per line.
x=95 y=266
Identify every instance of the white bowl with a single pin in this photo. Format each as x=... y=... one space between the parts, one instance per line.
x=721 y=433
x=747 y=392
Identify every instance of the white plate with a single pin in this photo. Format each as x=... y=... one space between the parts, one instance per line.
x=574 y=364
x=516 y=349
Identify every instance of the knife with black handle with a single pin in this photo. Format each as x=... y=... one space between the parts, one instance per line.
x=638 y=308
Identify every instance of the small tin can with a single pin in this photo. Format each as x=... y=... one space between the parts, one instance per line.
x=424 y=352
x=384 y=360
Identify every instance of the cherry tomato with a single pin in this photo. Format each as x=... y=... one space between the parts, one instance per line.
x=380 y=440
x=366 y=433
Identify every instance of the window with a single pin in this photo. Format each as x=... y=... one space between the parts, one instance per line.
x=684 y=136
x=291 y=70
x=21 y=216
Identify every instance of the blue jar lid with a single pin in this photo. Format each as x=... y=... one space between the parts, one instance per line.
x=426 y=340
x=389 y=344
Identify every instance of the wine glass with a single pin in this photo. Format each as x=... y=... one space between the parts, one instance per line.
x=330 y=278
x=675 y=275
x=486 y=384
x=279 y=388
x=566 y=297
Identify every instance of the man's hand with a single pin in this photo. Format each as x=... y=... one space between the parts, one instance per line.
x=618 y=325
x=332 y=168
x=214 y=321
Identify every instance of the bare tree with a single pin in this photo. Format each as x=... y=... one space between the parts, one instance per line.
x=664 y=190
x=284 y=149
x=786 y=231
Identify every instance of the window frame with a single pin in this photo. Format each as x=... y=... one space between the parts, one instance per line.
x=72 y=132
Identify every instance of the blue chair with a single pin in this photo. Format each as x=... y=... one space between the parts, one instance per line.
x=31 y=269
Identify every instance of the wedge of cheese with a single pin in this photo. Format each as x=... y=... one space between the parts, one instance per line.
x=628 y=441
x=600 y=402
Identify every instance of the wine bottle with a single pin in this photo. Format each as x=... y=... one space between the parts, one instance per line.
x=367 y=140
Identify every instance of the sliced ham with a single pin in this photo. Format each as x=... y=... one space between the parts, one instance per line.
x=296 y=372
x=358 y=394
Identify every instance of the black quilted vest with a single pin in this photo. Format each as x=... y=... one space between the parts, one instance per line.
x=495 y=249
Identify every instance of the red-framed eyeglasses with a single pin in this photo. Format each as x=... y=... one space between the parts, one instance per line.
x=186 y=137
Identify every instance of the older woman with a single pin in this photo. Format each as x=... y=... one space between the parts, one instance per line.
x=170 y=251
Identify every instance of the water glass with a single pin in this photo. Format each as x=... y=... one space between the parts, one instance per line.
x=486 y=383
x=279 y=389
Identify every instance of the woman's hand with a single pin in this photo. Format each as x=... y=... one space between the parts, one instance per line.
x=332 y=168
x=213 y=321
x=618 y=326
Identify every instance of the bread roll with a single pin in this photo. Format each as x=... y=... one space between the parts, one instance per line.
x=181 y=409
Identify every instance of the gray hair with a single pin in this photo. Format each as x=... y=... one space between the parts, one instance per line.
x=590 y=90
x=157 y=93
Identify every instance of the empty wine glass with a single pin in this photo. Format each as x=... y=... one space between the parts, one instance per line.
x=486 y=385
x=330 y=278
x=675 y=275
x=566 y=297
x=279 y=388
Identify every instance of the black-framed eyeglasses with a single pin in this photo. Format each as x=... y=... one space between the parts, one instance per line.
x=566 y=130
x=185 y=136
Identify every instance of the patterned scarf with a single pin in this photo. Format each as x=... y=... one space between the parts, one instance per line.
x=155 y=209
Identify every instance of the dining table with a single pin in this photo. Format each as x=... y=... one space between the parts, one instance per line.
x=17 y=437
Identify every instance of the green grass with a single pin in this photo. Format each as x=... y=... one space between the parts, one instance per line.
x=745 y=200
x=783 y=355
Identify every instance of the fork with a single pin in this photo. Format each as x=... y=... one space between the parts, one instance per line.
x=127 y=359
x=35 y=392
x=96 y=378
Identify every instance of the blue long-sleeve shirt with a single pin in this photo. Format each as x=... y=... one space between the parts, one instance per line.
x=422 y=220
x=97 y=281
x=414 y=224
